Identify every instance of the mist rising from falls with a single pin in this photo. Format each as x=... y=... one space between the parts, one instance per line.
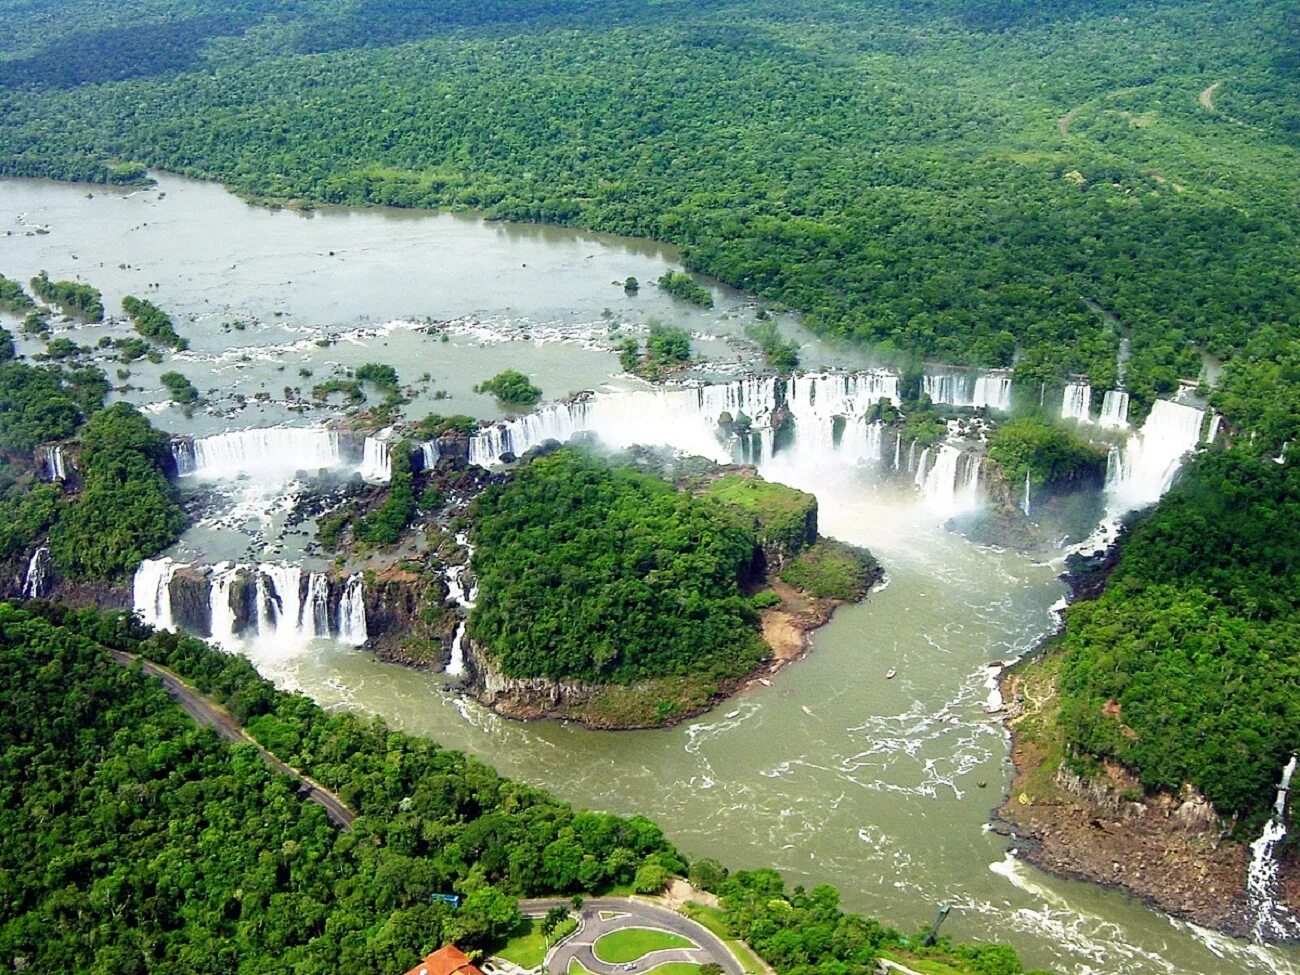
x=963 y=387
x=1270 y=920
x=1143 y=469
x=948 y=478
x=267 y=453
x=781 y=425
x=230 y=602
x=687 y=418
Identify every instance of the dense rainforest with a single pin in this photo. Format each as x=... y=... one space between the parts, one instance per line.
x=133 y=841
x=124 y=509
x=963 y=180
x=1186 y=668
x=602 y=573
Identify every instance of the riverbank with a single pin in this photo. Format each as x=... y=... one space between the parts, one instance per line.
x=1172 y=851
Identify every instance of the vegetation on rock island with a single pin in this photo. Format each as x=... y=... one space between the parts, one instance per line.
x=153 y=323
x=511 y=387
x=605 y=574
x=80 y=300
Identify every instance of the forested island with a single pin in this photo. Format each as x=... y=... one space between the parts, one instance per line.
x=613 y=597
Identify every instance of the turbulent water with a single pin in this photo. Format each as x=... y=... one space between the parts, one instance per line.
x=833 y=773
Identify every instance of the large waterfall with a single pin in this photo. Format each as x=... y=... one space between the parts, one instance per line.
x=1114 y=410
x=230 y=602
x=264 y=453
x=1076 y=402
x=826 y=411
x=1142 y=470
x=967 y=388
x=1270 y=919
x=948 y=478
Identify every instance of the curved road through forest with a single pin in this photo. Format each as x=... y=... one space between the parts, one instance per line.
x=212 y=715
x=637 y=914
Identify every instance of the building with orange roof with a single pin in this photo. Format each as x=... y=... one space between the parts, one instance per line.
x=447 y=960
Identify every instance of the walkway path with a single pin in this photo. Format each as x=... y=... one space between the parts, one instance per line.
x=1206 y=97
x=634 y=914
x=212 y=715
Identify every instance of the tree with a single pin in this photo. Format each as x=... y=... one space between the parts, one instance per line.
x=511 y=387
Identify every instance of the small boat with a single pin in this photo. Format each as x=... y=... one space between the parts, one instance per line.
x=891 y=673
x=806 y=710
x=765 y=682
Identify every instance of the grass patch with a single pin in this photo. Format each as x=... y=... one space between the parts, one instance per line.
x=629 y=944
x=646 y=702
x=779 y=515
x=578 y=968
x=715 y=920
x=833 y=570
x=526 y=946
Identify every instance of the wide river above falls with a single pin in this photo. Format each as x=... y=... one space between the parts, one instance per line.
x=832 y=774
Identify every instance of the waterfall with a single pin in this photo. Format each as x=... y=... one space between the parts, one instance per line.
x=1024 y=505
x=37 y=581
x=456 y=591
x=352 y=613
x=898 y=448
x=1142 y=470
x=285 y=606
x=279 y=602
x=687 y=418
x=315 y=621
x=428 y=455
x=151 y=594
x=377 y=460
x=1114 y=410
x=224 y=619
x=1270 y=919
x=1215 y=420
x=456 y=665
x=948 y=478
x=266 y=453
x=1076 y=402
x=964 y=388
x=56 y=469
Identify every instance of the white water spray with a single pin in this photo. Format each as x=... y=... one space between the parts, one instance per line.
x=1076 y=402
x=1114 y=410
x=1270 y=920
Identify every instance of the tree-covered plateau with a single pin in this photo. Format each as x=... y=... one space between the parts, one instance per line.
x=1186 y=668
x=601 y=573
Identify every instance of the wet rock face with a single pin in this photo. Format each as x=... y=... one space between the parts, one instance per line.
x=191 y=608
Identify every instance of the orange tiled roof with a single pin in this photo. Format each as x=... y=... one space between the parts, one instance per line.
x=447 y=960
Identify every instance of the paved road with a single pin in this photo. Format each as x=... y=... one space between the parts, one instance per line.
x=639 y=914
x=212 y=715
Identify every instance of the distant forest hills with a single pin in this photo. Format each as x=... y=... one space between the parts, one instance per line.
x=961 y=181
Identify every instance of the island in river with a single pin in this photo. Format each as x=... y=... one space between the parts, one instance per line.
x=638 y=590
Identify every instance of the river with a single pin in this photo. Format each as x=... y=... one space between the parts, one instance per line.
x=833 y=773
